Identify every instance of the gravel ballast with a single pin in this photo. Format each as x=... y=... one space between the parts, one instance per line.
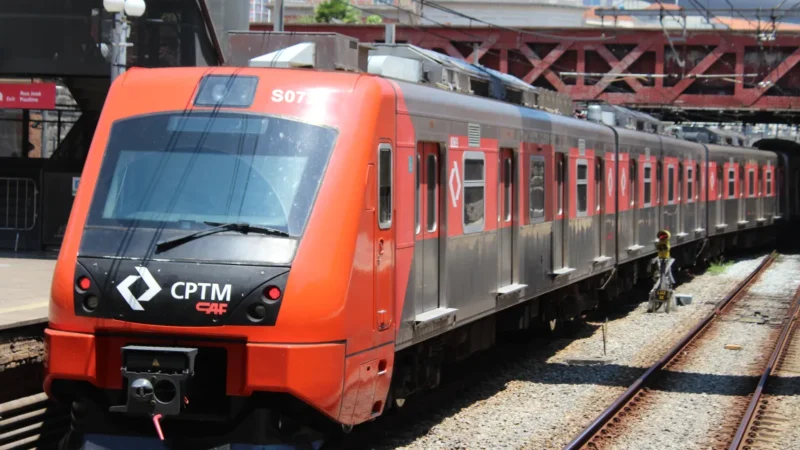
x=556 y=388
x=700 y=400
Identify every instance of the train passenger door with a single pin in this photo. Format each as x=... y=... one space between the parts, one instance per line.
x=506 y=217
x=430 y=208
x=600 y=203
x=633 y=190
x=720 y=202
x=559 y=235
x=740 y=200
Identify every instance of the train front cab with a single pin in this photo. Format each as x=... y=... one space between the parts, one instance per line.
x=291 y=321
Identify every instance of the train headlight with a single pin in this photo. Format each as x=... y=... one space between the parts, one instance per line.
x=226 y=90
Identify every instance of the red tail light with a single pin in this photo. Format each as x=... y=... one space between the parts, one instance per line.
x=272 y=292
x=84 y=283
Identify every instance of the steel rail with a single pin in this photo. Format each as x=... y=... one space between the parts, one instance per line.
x=590 y=431
x=780 y=345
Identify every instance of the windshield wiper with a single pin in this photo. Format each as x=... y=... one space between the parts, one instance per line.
x=217 y=228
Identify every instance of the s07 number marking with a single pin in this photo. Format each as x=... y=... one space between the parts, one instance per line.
x=289 y=96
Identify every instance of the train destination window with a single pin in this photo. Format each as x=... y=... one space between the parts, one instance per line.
x=752 y=182
x=689 y=184
x=583 y=187
x=536 y=189
x=474 y=185
x=731 y=181
x=648 y=180
x=385 y=186
x=670 y=183
x=419 y=199
x=433 y=185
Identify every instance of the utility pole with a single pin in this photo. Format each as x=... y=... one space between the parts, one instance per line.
x=277 y=13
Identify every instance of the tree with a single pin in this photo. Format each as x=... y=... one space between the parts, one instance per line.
x=336 y=11
x=374 y=19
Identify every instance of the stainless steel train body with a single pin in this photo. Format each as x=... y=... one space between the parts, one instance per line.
x=515 y=206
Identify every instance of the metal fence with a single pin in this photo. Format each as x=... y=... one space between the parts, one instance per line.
x=17 y=204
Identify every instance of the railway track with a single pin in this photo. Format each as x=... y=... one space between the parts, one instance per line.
x=28 y=419
x=764 y=422
x=615 y=420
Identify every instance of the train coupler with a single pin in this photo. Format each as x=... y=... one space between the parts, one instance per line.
x=157 y=380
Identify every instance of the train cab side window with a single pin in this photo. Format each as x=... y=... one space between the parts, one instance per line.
x=536 y=190
x=670 y=184
x=689 y=184
x=752 y=183
x=474 y=186
x=385 y=186
x=731 y=182
x=583 y=187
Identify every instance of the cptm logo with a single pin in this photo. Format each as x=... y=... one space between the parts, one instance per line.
x=153 y=288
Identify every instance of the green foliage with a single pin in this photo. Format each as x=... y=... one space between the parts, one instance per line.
x=719 y=266
x=374 y=19
x=305 y=20
x=336 y=10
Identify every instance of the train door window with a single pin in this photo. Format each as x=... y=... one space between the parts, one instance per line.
x=632 y=182
x=659 y=182
x=768 y=176
x=419 y=199
x=670 y=184
x=583 y=187
x=741 y=180
x=432 y=191
x=689 y=184
x=385 y=186
x=731 y=182
x=507 y=189
x=648 y=185
x=598 y=184
x=560 y=175
x=751 y=181
x=680 y=182
x=474 y=191
x=720 y=181
x=698 y=174
x=536 y=189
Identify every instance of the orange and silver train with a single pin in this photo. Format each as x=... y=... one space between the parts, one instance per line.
x=263 y=249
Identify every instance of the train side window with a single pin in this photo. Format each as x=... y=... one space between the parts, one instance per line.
x=583 y=187
x=689 y=184
x=648 y=184
x=385 y=186
x=670 y=184
x=752 y=182
x=536 y=189
x=419 y=199
x=433 y=186
x=731 y=182
x=474 y=190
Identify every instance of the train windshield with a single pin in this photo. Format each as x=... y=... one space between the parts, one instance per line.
x=180 y=171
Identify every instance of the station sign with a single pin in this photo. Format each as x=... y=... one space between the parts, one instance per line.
x=27 y=96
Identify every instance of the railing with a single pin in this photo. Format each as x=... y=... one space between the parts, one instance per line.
x=18 y=204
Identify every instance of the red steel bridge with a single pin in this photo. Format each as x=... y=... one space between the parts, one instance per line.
x=699 y=75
